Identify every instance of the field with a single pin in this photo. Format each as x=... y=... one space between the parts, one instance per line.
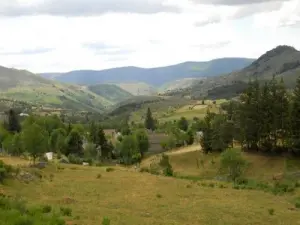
x=129 y=197
x=174 y=108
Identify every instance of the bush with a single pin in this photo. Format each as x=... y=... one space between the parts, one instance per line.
x=66 y=211
x=5 y=171
x=232 y=163
x=165 y=164
x=15 y=211
x=46 y=209
x=158 y=195
x=99 y=176
x=110 y=169
x=105 y=221
x=271 y=211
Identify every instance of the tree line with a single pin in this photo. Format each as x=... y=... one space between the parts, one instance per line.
x=76 y=143
x=265 y=118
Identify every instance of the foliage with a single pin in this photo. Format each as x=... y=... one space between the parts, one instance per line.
x=142 y=141
x=130 y=150
x=13 y=144
x=56 y=140
x=232 y=163
x=13 y=124
x=15 y=211
x=167 y=167
x=35 y=140
x=74 y=143
x=149 y=121
x=183 y=124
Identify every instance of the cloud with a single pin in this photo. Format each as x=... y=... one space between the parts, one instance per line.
x=100 y=48
x=82 y=7
x=213 y=19
x=28 y=51
x=235 y=2
x=216 y=45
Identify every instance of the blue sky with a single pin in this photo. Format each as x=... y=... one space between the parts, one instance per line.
x=64 y=35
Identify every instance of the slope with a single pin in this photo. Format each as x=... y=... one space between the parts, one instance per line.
x=281 y=62
x=110 y=92
x=25 y=86
x=155 y=76
x=138 y=88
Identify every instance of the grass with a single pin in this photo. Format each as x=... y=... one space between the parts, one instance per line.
x=127 y=197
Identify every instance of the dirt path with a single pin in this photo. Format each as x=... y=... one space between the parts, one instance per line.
x=191 y=148
x=146 y=162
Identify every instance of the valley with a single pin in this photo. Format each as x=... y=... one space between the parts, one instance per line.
x=218 y=145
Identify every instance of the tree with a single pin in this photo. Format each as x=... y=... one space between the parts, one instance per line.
x=142 y=141
x=149 y=121
x=74 y=143
x=130 y=150
x=13 y=124
x=13 y=144
x=295 y=118
x=232 y=163
x=183 y=124
x=56 y=138
x=206 y=139
x=35 y=141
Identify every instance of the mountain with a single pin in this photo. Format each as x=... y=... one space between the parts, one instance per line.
x=111 y=92
x=153 y=76
x=282 y=61
x=33 y=89
x=138 y=88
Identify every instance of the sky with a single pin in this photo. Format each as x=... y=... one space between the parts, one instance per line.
x=64 y=35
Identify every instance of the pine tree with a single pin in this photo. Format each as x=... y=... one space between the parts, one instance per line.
x=295 y=118
x=149 y=121
x=13 y=124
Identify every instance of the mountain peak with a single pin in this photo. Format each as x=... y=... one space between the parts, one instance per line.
x=279 y=50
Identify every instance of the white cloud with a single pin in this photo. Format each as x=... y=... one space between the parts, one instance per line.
x=49 y=43
x=82 y=7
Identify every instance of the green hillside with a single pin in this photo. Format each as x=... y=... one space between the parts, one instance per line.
x=30 y=88
x=110 y=92
x=282 y=61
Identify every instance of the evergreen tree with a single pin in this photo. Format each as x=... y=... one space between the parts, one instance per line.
x=183 y=124
x=74 y=143
x=13 y=124
x=149 y=121
x=295 y=118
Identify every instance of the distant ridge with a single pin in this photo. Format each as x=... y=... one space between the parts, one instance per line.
x=153 y=76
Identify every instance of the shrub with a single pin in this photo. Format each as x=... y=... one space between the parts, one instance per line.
x=271 y=211
x=66 y=211
x=105 y=221
x=158 y=195
x=165 y=164
x=109 y=169
x=232 y=163
x=46 y=209
x=99 y=176
x=297 y=204
x=15 y=211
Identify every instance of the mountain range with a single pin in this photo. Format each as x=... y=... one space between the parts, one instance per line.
x=153 y=76
x=281 y=62
x=98 y=91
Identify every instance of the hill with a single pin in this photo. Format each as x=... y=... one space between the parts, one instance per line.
x=281 y=62
x=154 y=76
x=138 y=88
x=32 y=89
x=111 y=92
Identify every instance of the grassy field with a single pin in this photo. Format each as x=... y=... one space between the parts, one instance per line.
x=129 y=197
x=175 y=108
